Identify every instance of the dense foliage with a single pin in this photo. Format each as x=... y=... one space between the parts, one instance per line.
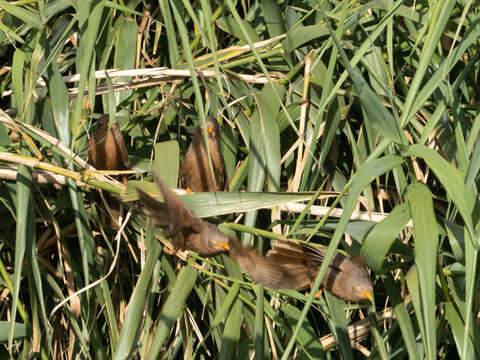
x=369 y=110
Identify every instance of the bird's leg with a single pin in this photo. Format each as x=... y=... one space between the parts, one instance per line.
x=317 y=294
x=123 y=180
x=177 y=241
x=169 y=251
x=173 y=248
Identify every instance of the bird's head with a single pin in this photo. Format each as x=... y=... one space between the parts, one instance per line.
x=363 y=286
x=360 y=285
x=212 y=126
x=220 y=243
x=364 y=292
x=103 y=122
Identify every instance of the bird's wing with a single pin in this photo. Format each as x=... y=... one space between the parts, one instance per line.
x=122 y=149
x=289 y=248
x=339 y=261
x=296 y=265
x=299 y=251
x=157 y=210
x=92 y=151
x=266 y=272
x=296 y=257
x=315 y=252
x=180 y=215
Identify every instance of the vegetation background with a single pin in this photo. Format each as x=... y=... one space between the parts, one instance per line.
x=375 y=101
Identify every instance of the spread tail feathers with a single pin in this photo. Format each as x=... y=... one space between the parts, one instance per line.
x=155 y=209
x=180 y=215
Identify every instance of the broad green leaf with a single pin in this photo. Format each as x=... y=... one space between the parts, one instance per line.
x=231 y=332
x=307 y=341
x=134 y=313
x=173 y=308
x=23 y=14
x=230 y=25
x=450 y=178
x=264 y=147
x=301 y=35
x=404 y=321
x=166 y=162
x=60 y=104
x=124 y=54
x=338 y=326
x=426 y=246
x=273 y=17
x=381 y=118
x=19 y=330
x=440 y=15
x=381 y=237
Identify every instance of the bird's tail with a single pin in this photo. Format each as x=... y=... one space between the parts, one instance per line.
x=155 y=209
x=295 y=260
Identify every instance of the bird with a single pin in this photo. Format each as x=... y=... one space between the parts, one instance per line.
x=261 y=269
x=195 y=173
x=179 y=223
x=288 y=265
x=346 y=278
x=292 y=265
x=106 y=147
x=107 y=151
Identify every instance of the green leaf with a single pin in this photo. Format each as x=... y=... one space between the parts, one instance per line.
x=19 y=330
x=381 y=237
x=338 y=325
x=273 y=18
x=133 y=317
x=230 y=25
x=381 y=118
x=302 y=35
x=17 y=79
x=21 y=13
x=124 y=54
x=173 y=308
x=401 y=313
x=231 y=332
x=60 y=104
x=450 y=178
x=166 y=162
x=425 y=232
x=307 y=339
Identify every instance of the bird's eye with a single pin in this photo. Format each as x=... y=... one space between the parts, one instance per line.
x=358 y=288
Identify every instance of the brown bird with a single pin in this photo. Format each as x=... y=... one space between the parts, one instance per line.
x=195 y=173
x=261 y=269
x=177 y=221
x=346 y=278
x=107 y=151
x=288 y=265
x=106 y=147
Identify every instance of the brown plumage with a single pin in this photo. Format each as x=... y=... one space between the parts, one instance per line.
x=292 y=265
x=288 y=265
x=107 y=151
x=106 y=147
x=261 y=269
x=195 y=173
x=177 y=221
x=346 y=278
